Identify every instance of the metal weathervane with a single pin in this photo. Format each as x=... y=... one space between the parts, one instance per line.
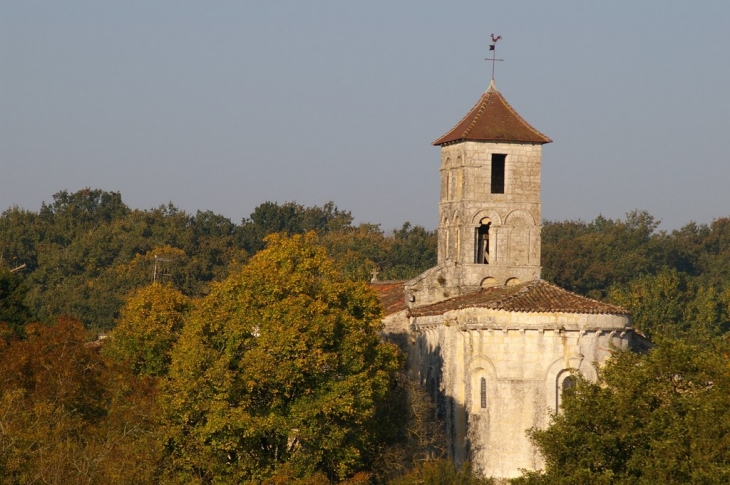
x=493 y=48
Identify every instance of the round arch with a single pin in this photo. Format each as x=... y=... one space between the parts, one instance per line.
x=559 y=370
x=488 y=282
x=481 y=384
x=516 y=216
x=492 y=215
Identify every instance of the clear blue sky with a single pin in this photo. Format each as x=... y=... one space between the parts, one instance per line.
x=223 y=105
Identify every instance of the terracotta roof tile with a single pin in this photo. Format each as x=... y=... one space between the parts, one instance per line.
x=533 y=296
x=493 y=119
x=391 y=294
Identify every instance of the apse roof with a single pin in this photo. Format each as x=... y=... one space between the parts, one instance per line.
x=391 y=295
x=533 y=296
x=493 y=119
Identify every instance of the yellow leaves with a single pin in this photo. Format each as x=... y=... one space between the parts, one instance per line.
x=286 y=343
x=149 y=325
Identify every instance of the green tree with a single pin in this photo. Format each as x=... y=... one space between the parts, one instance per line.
x=80 y=251
x=672 y=304
x=13 y=310
x=589 y=258
x=290 y=218
x=357 y=250
x=281 y=364
x=148 y=327
x=442 y=472
x=80 y=211
x=403 y=254
x=659 y=418
x=703 y=251
x=412 y=251
x=20 y=232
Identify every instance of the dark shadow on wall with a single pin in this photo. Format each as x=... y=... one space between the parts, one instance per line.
x=441 y=421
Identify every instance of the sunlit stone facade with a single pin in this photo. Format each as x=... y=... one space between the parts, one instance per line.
x=492 y=343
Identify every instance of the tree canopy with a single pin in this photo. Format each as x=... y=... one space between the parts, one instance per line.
x=149 y=326
x=282 y=363
x=69 y=416
x=85 y=251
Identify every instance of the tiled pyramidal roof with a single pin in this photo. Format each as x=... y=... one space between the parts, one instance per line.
x=533 y=296
x=493 y=119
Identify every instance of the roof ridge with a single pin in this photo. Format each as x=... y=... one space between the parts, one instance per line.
x=508 y=298
x=483 y=101
x=547 y=283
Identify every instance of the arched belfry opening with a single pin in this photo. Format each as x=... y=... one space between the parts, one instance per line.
x=482 y=242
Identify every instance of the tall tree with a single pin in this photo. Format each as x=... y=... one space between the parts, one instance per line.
x=672 y=304
x=282 y=364
x=13 y=310
x=290 y=218
x=412 y=251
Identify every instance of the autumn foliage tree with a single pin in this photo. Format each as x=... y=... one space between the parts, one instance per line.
x=150 y=323
x=280 y=366
x=69 y=417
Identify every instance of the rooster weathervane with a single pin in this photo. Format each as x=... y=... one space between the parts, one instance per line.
x=492 y=47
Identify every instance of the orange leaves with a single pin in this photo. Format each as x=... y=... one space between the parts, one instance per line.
x=68 y=416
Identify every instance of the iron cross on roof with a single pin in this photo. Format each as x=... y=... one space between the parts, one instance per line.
x=493 y=48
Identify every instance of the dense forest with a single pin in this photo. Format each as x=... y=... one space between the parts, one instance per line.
x=236 y=353
x=83 y=253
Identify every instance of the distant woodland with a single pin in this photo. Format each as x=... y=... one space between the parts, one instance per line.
x=250 y=353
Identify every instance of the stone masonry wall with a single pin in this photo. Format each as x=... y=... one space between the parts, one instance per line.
x=523 y=357
x=467 y=201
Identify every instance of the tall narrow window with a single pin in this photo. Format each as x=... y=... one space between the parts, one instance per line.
x=483 y=393
x=498 y=173
x=482 y=252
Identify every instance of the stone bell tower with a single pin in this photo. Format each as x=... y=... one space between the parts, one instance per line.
x=494 y=345
x=490 y=208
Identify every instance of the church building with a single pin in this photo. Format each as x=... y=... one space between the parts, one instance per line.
x=494 y=345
